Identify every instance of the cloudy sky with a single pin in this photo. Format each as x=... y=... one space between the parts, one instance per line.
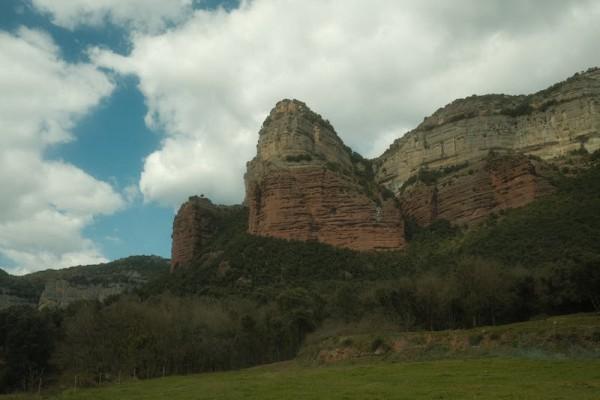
x=112 y=112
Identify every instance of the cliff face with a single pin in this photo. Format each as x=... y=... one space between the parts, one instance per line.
x=477 y=190
x=196 y=222
x=60 y=293
x=61 y=287
x=548 y=124
x=304 y=184
x=96 y=282
x=472 y=158
x=9 y=300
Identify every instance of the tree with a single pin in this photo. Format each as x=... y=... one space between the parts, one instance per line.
x=27 y=340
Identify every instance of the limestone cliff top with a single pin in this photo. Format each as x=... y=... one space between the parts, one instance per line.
x=295 y=135
x=579 y=85
x=293 y=108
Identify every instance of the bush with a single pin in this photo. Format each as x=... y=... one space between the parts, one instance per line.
x=475 y=340
x=298 y=158
x=379 y=345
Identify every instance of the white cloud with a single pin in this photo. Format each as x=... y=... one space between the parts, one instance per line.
x=146 y=15
x=45 y=205
x=373 y=69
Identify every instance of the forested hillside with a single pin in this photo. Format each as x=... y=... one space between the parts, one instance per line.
x=252 y=300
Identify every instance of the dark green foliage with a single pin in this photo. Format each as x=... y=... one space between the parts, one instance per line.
x=475 y=340
x=579 y=152
x=333 y=166
x=344 y=303
x=27 y=339
x=516 y=265
x=299 y=158
x=430 y=177
x=427 y=176
x=363 y=170
x=168 y=335
x=439 y=229
x=563 y=228
x=20 y=286
x=118 y=271
x=378 y=344
x=523 y=108
x=587 y=280
x=251 y=300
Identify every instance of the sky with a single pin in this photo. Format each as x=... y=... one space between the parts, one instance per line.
x=114 y=112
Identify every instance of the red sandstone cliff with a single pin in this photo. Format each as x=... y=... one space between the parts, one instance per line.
x=477 y=190
x=304 y=184
x=196 y=222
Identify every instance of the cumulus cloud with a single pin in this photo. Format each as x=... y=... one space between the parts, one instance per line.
x=45 y=204
x=144 y=15
x=374 y=69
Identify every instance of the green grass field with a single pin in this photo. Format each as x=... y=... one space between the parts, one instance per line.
x=487 y=378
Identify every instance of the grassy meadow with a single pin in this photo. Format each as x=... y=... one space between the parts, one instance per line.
x=487 y=378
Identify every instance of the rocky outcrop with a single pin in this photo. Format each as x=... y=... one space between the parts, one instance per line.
x=8 y=299
x=96 y=282
x=476 y=190
x=60 y=293
x=196 y=222
x=471 y=158
x=59 y=288
x=305 y=184
x=548 y=124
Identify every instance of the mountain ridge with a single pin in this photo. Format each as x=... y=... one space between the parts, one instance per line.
x=470 y=159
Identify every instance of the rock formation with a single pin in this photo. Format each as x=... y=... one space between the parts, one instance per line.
x=305 y=184
x=60 y=293
x=475 y=190
x=195 y=223
x=14 y=299
x=548 y=124
x=471 y=158
x=61 y=287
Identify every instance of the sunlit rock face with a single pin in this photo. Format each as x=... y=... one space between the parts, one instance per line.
x=472 y=158
x=305 y=184
x=475 y=190
x=195 y=223
x=548 y=124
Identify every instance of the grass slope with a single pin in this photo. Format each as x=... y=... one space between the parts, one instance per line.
x=449 y=379
x=559 y=337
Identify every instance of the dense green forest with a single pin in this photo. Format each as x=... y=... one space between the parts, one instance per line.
x=251 y=300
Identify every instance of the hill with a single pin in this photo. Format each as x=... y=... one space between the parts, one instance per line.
x=59 y=288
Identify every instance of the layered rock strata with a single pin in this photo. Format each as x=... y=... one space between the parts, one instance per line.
x=196 y=222
x=471 y=158
x=305 y=184
x=548 y=124
x=477 y=190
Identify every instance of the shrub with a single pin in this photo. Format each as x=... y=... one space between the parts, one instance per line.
x=379 y=345
x=298 y=158
x=475 y=340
